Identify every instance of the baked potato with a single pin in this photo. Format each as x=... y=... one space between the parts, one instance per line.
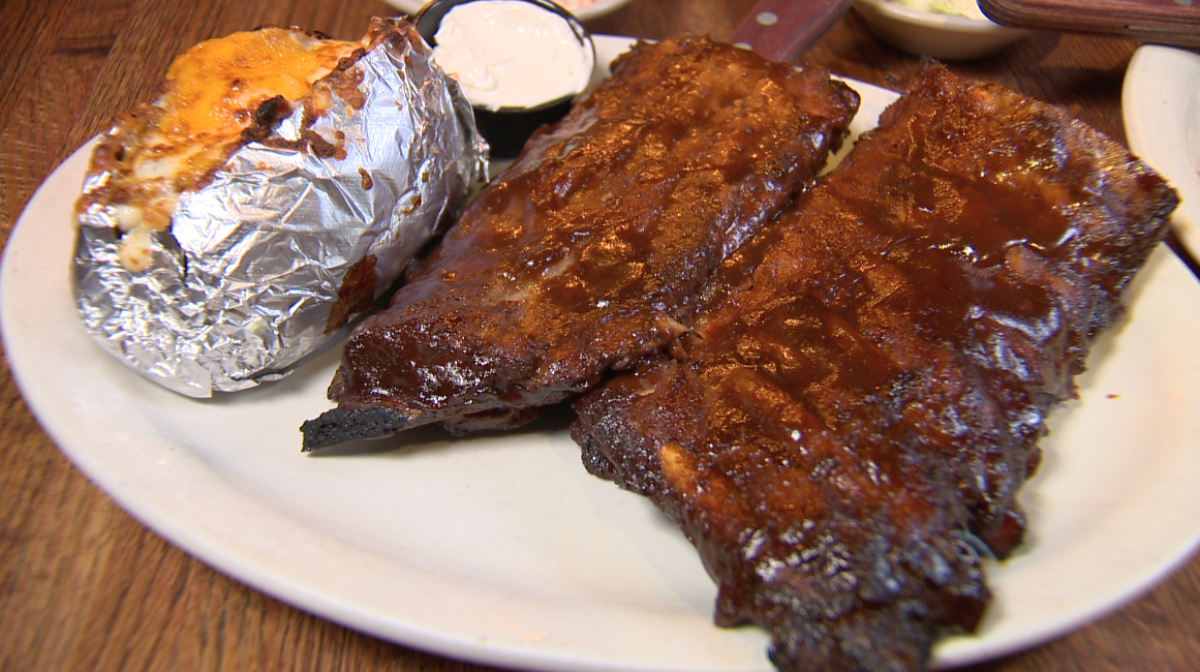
x=274 y=187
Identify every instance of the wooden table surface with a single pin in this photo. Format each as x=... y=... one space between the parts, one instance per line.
x=83 y=586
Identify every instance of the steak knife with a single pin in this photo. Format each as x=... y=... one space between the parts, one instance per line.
x=1175 y=22
x=782 y=30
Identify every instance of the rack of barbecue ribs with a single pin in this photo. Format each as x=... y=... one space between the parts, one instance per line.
x=589 y=251
x=843 y=432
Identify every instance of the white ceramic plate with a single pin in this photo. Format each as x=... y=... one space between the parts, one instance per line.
x=1161 y=104
x=582 y=9
x=501 y=549
x=943 y=36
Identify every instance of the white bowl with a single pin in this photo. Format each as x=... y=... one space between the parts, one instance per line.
x=585 y=11
x=942 y=36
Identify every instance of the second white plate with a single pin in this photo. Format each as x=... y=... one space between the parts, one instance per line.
x=1160 y=101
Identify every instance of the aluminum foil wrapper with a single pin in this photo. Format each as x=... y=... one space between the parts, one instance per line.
x=264 y=264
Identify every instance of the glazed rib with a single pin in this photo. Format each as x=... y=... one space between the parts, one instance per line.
x=589 y=251
x=861 y=399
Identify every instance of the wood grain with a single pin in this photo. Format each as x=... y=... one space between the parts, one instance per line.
x=1174 y=22
x=783 y=30
x=83 y=586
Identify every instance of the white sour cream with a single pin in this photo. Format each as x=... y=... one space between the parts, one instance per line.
x=508 y=53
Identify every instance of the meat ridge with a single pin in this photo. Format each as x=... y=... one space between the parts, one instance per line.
x=590 y=251
x=844 y=432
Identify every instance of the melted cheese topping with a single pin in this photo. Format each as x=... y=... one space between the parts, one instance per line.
x=209 y=97
x=217 y=85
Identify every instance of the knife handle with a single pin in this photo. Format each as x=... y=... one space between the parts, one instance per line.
x=782 y=30
x=1161 y=21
